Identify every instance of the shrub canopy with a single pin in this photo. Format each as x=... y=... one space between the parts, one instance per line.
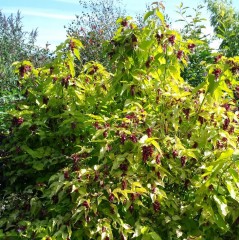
x=131 y=153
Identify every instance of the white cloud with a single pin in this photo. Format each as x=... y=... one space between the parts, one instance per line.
x=68 y=1
x=40 y=13
x=46 y=36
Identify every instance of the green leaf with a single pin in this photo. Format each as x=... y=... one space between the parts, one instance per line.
x=221 y=204
x=213 y=85
x=32 y=153
x=70 y=62
x=77 y=42
x=160 y=16
x=35 y=206
x=234 y=175
x=227 y=154
x=77 y=53
x=3 y=221
x=152 y=141
x=38 y=166
x=231 y=190
x=144 y=45
x=148 y=14
x=220 y=222
x=235 y=155
x=2 y=235
x=151 y=236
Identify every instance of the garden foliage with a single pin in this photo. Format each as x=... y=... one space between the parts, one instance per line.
x=131 y=153
x=16 y=45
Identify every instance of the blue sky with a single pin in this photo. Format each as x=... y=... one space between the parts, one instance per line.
x=50 y=16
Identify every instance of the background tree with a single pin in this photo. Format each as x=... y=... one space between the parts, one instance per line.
x=16 y=45
x=193 y=27
x=94 y=25
x=225 y=22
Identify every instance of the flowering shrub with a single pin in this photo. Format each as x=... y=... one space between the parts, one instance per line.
x=132 y=153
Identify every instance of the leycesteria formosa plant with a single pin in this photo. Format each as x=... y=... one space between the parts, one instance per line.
x=134 y=153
